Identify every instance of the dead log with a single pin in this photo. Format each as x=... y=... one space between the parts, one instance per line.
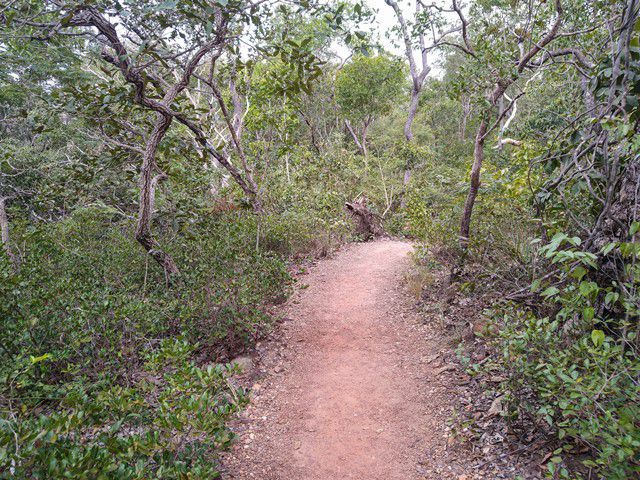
x=368 y=224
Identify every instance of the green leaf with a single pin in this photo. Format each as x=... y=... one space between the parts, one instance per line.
x=579 y=272
x=608 y=247
x=39 y=359
x=611 y=298
x=588 y=313
x=535 y=285
x=587 y=288
x=597 y=337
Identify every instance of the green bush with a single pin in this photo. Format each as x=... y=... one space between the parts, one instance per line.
x=97 y=361
x=166 y=423
x=578 y=373
x=106 y=371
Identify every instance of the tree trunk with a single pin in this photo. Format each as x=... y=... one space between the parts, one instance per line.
x=619 y=213
x=361 y=148
x=589 y=100
x=148 y=184
x=363 y=141
x=405 y=184
x=4 y=230
x=413 y=109
x=407 y=177
x=408 y=135
x=466 y=111
x=312 y=131
x=478 y=157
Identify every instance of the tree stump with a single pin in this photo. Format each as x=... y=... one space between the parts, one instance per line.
x=368 y=224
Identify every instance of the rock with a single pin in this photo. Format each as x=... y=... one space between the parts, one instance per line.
x=245 y=363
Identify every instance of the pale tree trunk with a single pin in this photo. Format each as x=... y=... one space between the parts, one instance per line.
x=501 y=113
x=407 y=177
x=589 y=100
x=4 y=230
x=408 y=134
x=360 y=141
x=363 y=141
x=234 y=121
x=413 y=109
x=466 y=112
x=418 y=77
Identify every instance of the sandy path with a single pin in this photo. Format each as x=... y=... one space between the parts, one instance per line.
x=352 y=393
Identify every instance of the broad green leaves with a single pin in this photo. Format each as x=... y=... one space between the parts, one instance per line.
x=597 y=337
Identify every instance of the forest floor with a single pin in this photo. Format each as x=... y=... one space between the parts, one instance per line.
x=354 y=385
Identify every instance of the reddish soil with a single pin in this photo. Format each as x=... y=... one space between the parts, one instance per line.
x=354 y=389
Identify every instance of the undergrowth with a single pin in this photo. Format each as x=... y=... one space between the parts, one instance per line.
x=108 y=371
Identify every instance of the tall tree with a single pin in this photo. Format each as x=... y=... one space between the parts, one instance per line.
x=427 y=20
x=157 y=50
x=366 y=88
x=505 y=45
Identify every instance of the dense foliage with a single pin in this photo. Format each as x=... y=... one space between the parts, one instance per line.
x=163 y=164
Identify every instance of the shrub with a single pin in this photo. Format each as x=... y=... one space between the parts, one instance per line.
x=98 y=367
x=578 y=373
x=167 y=423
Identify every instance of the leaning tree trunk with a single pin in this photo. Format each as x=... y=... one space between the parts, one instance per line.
x=363 y=141
x=474 y=185
x=360 y=142
x=356 y=140
x=149 y=180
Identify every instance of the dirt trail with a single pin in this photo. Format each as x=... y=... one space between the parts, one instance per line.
x=354 y=391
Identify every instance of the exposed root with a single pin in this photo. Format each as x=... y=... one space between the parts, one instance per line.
x=368 y=224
